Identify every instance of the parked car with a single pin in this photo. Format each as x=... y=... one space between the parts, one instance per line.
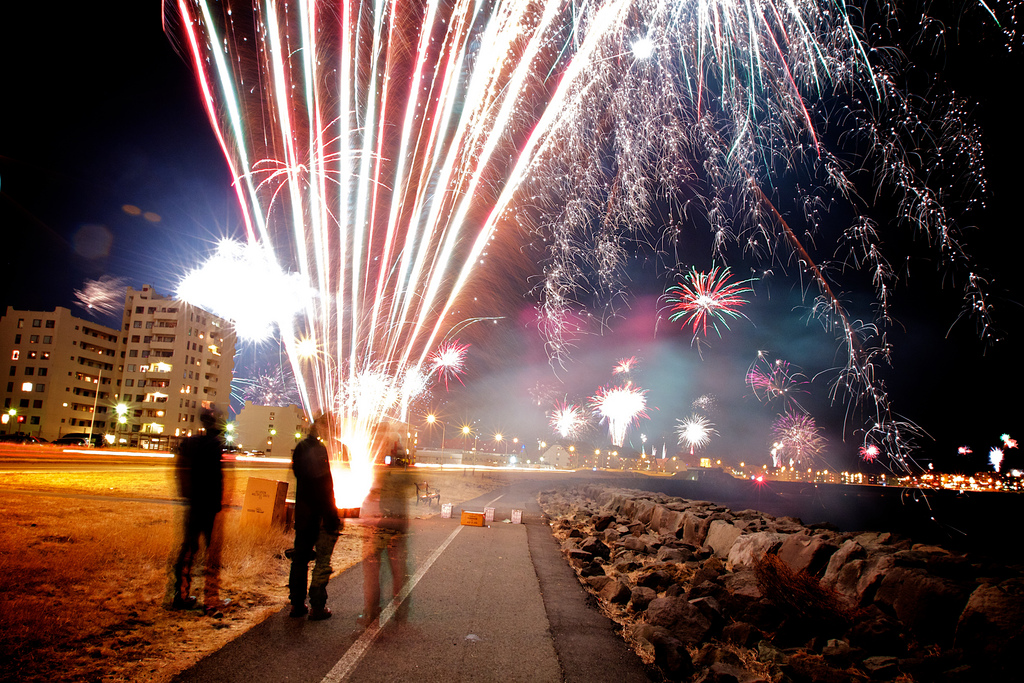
x=78 y=439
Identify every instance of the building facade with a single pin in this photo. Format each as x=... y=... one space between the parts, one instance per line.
x=143 y=385
x=274 y=430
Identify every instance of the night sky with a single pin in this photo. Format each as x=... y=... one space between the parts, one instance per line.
x=100 y=113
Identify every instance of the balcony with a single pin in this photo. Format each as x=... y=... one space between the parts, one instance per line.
x=162 y=345
x=157 y=369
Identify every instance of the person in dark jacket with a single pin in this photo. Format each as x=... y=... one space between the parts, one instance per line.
x=200 y=474
x=317 y=526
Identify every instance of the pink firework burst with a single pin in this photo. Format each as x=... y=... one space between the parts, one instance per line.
x=448 y=361
x=774 y=379
x=620 y=407
x=701 y=300
x=964 y=450
x=869 y=453
x=798 y=437
x=1008 y=441
x=568 y=420
x=625 y=366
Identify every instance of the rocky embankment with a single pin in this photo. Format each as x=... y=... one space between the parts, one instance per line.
x=704 y=593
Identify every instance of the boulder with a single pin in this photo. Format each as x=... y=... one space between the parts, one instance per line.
x=682 y=619
x=615 y=592
x=992 y=623
x=602 y=522
x=929 y=605
x=848 y=551
x=641 y=596
x=805 y=553
x=748 y=548
x=721 y=535
x=595 y=547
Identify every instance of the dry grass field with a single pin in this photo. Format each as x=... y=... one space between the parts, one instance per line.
x=84 y=574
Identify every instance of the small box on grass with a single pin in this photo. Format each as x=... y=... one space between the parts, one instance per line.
x=472 y=518
x=264 y=503
x=446 y=510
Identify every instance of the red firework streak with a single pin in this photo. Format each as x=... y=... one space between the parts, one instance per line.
x=703 y=299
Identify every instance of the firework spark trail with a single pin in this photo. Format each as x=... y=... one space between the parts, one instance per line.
x=449 y=361
x=775 y=379
x=729 y=97
x=103 y=296
x=621 y=407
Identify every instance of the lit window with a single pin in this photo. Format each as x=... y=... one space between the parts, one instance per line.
x=15 y=355
x=26 y=386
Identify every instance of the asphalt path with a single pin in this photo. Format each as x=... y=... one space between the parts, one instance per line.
x=493 y=603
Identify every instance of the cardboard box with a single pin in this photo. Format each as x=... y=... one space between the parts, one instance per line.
x=488 y=515
x=264 y=503
x=472 y=518
x=517 y=516
x=446 y=510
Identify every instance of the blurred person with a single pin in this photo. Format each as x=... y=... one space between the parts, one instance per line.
x=317 y=526
x=199 y=469
x=386 y=514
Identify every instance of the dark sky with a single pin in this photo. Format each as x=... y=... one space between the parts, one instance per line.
x=100 y=113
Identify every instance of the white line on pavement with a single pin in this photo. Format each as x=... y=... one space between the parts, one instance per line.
x=347 y=664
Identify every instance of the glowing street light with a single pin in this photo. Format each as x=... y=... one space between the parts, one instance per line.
x=431 y=419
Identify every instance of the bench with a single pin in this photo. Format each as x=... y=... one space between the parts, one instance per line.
x=426 y=494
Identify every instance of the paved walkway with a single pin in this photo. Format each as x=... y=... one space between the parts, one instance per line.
x=497 y=603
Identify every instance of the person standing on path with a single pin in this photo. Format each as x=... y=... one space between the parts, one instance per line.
x=317 y=526
x=199 y=468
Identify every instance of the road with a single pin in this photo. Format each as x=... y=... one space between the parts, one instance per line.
x=497 y=603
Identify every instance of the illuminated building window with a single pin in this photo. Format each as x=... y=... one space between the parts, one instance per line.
x=26 y=386
x=15 y=355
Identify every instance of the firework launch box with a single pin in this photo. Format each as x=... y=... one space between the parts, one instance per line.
x=264 y=504
x=472 y=518
x=517 y=516
x=446 y=510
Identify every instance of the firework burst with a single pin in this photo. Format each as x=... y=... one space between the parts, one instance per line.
x=621 y=407
x=774 y=379
x=625 y=366
x=797 y=438
x=695 y=431
x=869 y=453
x=995 y=458
x=569 y=420
x=449 y=361
x=703 y=299
x=706 y=404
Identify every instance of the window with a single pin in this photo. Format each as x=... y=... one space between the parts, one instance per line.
x=147 y=339
x=135 y=339
x=34 y=420
x=45 y=355
x=145 y=353
x=13 y=369
x=47 y=339
x=42 y=372
x=49 y=324
x=15 y=355
x=133 y=353
x=26 y=386
x=131 y=367
x=23 y=403
x=31 y=354
x=17 y=339
x=139 y=309
x=21 y=323
x=140 y=398
x=137 y=324
x=10 y=386
x=37 y=404
x=129 y=382
x=149 y=324
x=33 y=339
x=152 y=310
x=142 y=383
x=37 y=322
x=40 y=388
x=29 y=370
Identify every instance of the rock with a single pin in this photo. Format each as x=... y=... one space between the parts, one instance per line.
x=804 y=553
x=838 y=653
x=992 y=623
x=634 y=544
x=927 y=604
x=615 y=592
x=742 y=634
x=597 y=583
x=672 y=555
x=668 y=653
x=877 y=632
x=602 y=522
x=809 y=668
x=720 y=536
x=881 y=666
x=711 y=610
x=657 y=579
x=748 y=548
x=592 y=569
x=682 y=619
x=578 y=558
x=848 y=551
x=595 y=547
x=743 y=584
x=640 y=597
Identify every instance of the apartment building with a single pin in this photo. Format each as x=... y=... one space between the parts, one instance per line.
x=62 y=373
x=175 y=360
x=143 y=385
x=272 y=429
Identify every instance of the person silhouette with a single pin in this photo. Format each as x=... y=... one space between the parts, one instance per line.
x=386 y=514
x=317 y=526
x=199 y=470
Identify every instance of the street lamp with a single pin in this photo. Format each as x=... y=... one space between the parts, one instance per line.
x=431 y=419
x=122 y=419
x=465 y=433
